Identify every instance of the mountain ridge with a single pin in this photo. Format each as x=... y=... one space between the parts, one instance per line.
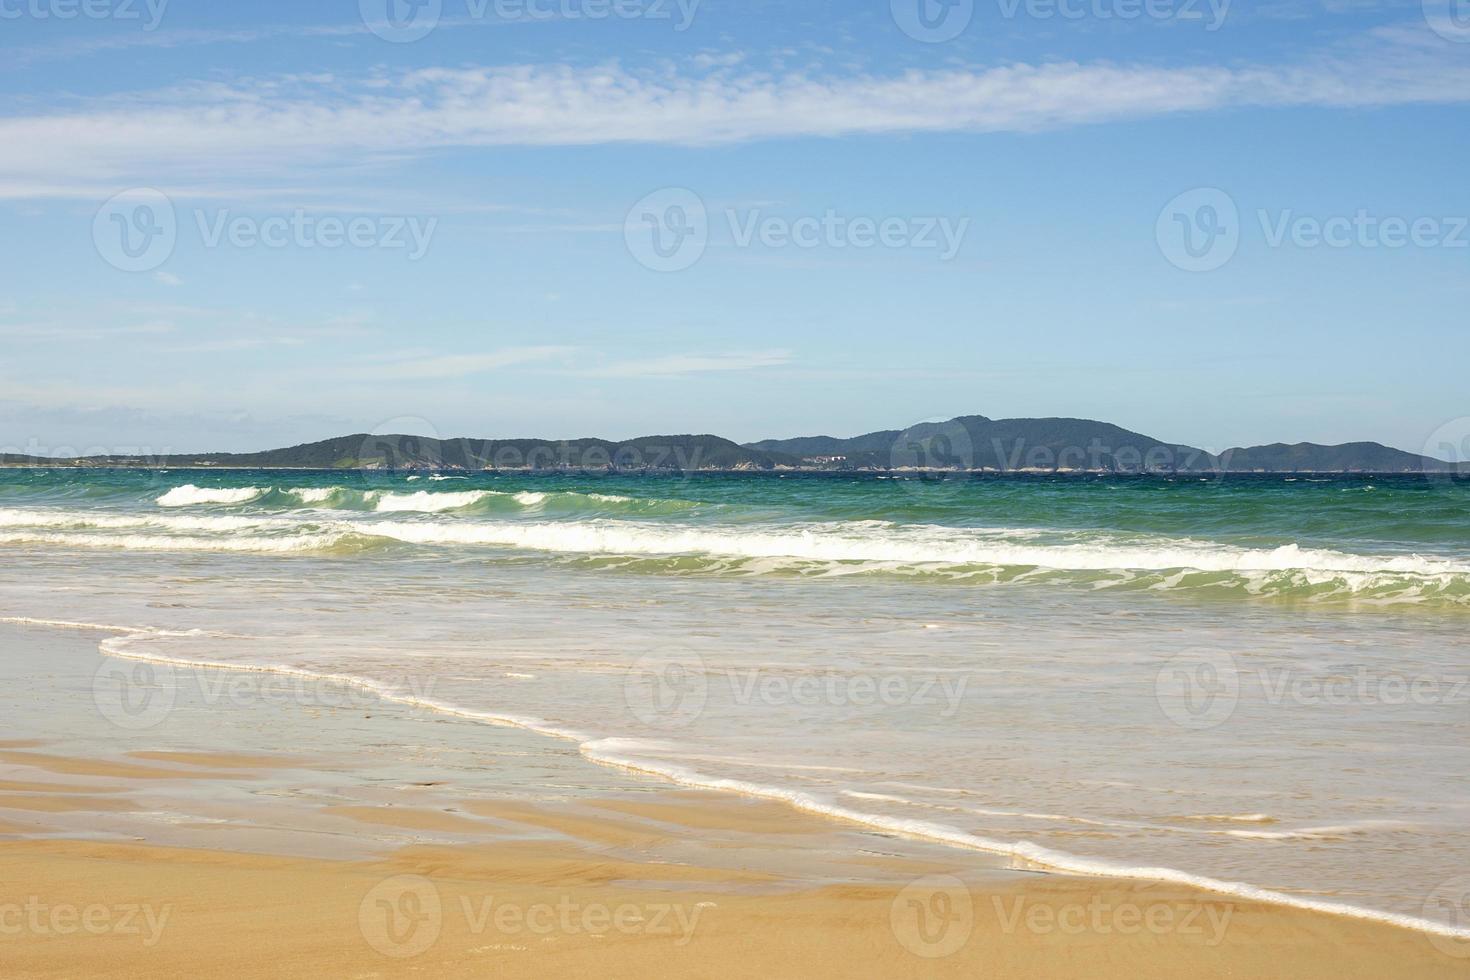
x=971 y=443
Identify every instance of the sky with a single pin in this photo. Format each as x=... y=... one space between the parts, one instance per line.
x=248 y=225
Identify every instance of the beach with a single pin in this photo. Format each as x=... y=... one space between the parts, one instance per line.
x=206 y=847
x=1176 y=725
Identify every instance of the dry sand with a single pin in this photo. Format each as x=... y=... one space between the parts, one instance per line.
x=600 y=898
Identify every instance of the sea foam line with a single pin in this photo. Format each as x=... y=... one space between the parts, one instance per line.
x=601 y=752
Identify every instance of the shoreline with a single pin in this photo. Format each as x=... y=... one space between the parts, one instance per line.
x=1022 y=855
x=773 y=471
x=627 y=880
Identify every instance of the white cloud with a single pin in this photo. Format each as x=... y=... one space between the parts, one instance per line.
x=167 y=278
x=678 y=365
x=456 y=365
x=290 y=125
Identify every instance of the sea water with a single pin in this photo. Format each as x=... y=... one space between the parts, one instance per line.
x=1257 y=683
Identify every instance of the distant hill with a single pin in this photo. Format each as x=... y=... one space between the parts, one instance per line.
x=974 y=442
x=409 y=452
x=967 y=443
x=1367 y=457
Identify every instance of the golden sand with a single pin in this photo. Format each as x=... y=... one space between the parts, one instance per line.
x=560 y=910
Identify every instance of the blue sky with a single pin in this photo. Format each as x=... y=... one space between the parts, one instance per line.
x=333 y=224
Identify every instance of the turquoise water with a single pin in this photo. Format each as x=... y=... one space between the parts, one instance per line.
x=1385 y=540
x=1252 y=683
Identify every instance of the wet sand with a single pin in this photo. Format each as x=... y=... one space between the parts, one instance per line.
x=244 y=841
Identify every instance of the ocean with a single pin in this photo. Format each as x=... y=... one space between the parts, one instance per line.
x=1260 y=684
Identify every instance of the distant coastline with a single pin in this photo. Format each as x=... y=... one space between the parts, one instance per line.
x=966 y=445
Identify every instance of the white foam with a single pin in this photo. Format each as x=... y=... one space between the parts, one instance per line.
x=921 y=545
x=164 y=542
x=1030 y=854
x=191 y=496
x=425 y=502
x=313 y=495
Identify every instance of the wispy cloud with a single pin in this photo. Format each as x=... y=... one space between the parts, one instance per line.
x=211 y=132
x=457 y=365
x=679 y=365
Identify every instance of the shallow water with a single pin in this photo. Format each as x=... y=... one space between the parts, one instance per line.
x=1255 y=680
